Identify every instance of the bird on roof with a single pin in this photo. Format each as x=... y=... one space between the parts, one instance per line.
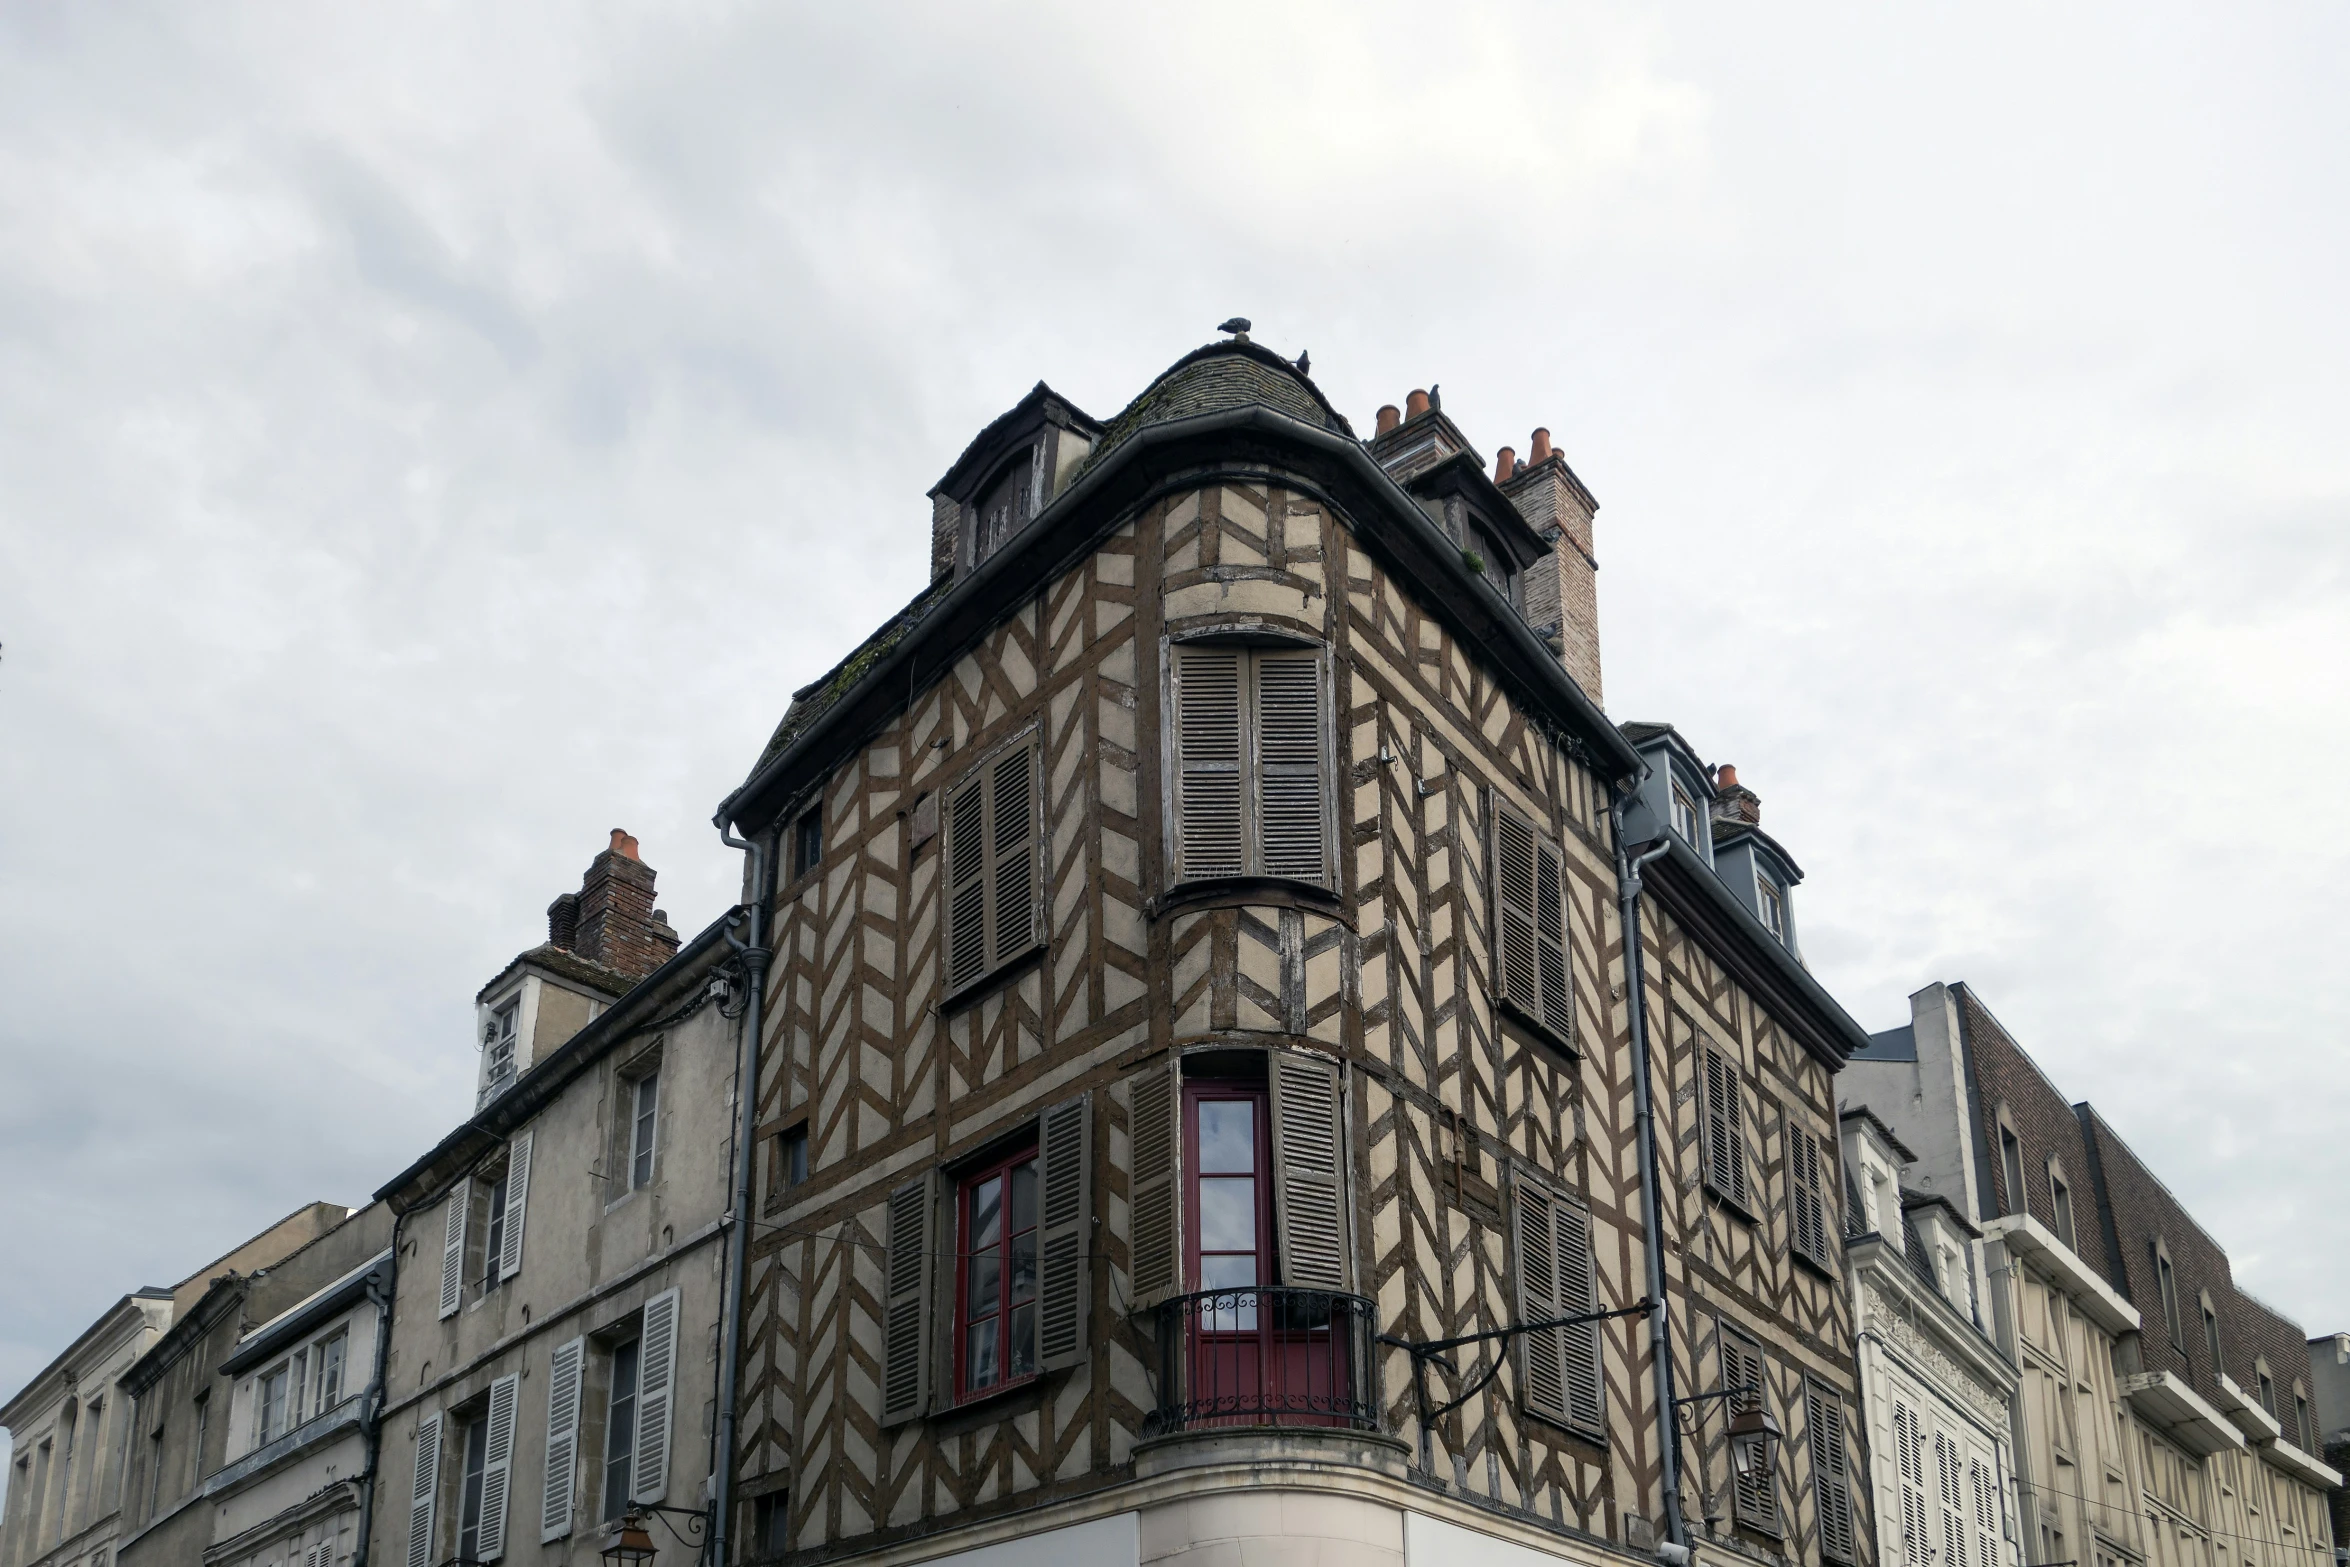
x=1305 y=362
x=1237 y=326
x=1436 y=396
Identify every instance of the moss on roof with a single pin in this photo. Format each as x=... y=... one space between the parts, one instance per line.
x=811 y=701
x=1219 y=377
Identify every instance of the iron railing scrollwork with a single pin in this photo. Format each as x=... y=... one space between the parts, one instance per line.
x=1264 y=1355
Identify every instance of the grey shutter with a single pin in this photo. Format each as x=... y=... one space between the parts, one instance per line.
x=1550 y=937
x=1725 y=1139
x=1065 y=1160
x=1906 y=1443
x=1012 y=853
x=563 y=1376
x=453 y=1248
x=1519 y=972
x=1830 y=1484
x=497 y=1467
x=966 y=923
x=1579 y=1346
x=1986 y=1513
x=1208 y=763
x=424 y=1490
x=656 y=1390
x=1954 y=1529
x=1309 y=1178
x=1807 y=1205
x=1157 y=1145
x=1756 y=1495
x=905 y=1327
x=517 y=1199
x=1543 y=1356
x=1291 y=793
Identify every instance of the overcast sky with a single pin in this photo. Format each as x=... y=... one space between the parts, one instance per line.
x=433 y=436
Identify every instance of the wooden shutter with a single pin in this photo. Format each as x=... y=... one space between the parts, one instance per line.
x=1953 y=1510
x=1830 y=1480
x=1520 y=970
x=1910 y=1462
x=905 y=1327
x=424 y=1490
x=517 y=1199
x=1542 y=1357
x=1986 y=1500
x=1011 y=832
x=1756 y=1496
x=1807 y=1219
x=1064 y=1279
x=1291 y=793
x=497 y=1467
x=1550 y=936
x=1578 y=1292
x=453 y=1248
x=1157 y=1146
x=656 y=1390
x=555 y=1500
x=1208 y=762
x=1725 y=1136
x=1309 y=1175
x=967 y=883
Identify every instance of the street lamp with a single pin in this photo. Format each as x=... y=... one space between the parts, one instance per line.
x=631 y=1542
x=1754 y=1440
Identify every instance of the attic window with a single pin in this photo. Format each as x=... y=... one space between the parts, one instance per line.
x=1772 y=905
x=498 y=1041
x=1005 y=506
x=1684 y=814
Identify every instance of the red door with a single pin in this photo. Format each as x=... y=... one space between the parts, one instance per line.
x=1256 y=1358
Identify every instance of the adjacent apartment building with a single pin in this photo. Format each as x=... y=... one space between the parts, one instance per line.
x=557 y=1257
x=1201 y=986
x=73 y=1429
x=2161 y=1414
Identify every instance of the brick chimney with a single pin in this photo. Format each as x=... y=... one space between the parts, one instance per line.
x=1733 y=801
x=1562 y=592
x=613 y=921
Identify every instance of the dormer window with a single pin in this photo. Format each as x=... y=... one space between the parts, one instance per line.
x=1685 y=817
x=1771 y=905
x=498 y=1042
x=1004 y=506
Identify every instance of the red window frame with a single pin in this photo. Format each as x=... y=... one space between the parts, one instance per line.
x=968 y=1252
x=1209 y=1090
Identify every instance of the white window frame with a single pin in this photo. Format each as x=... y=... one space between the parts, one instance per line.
x=644 y=1128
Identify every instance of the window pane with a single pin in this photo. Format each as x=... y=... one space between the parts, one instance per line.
x=1024 y=1267
x=1024 y=1197
x=620 y=1430
x=1023 y=1340
x=980 y=1353
x=987 y=1212
x=986 y=1283
x=1228 y=1213
x=1227 y=1272
x=1228 y=1136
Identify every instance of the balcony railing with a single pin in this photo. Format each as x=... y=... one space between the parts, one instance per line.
x=1264 y=1356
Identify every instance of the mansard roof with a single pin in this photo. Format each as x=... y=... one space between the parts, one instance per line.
x=1225 y=405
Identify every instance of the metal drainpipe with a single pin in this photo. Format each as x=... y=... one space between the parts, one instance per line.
x=738 y=1235
x=1660 y=1331
x=371 y=1425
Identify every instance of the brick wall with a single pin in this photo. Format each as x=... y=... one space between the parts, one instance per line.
x=615 y=921
x=2008 y=1083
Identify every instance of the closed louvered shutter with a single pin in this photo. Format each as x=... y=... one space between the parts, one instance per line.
x=656 y=1390
x=424 y=1490
x=1756 y=1494
x=1209 y=762
x=1309 y=1178
x=1578 y=1294
x=1953 y=1509
x=497 y=1468
x=991 y=866
x=453 y=1248
x=1065 y=1163
x=1542 y=1355
x=1550 y=937
x=1986 y=1500
x=1520 y=967
x=1907 y=1442
x=517 y=1201
x=1725 y=1137
x=905 y=1327
x=1830 y=1477
x=555 y=1500
x=1290 y=790
x=1157 y=1147
x=1807 y=1203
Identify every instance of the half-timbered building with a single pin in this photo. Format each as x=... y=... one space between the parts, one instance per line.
x=1199 y=984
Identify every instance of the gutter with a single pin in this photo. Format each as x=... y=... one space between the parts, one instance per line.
x=754 y=955
x=975 y=600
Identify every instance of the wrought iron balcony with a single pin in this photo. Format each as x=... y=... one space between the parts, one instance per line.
x=1264 y=1355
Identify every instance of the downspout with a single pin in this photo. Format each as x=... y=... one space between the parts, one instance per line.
x=754 y=956
x=1660 y=1330
x=371 y=1425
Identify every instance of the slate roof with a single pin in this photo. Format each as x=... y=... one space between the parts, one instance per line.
x=809 y=702
x=1221 y=376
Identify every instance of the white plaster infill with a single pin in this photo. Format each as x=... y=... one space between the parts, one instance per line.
x=2166 y=1402
x=2257 y=1424
x=2100 y=1302
x=2304 y=1467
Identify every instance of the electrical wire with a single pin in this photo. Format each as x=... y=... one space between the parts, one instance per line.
x=2216 y=1534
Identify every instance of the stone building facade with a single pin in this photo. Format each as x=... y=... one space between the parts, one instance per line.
x=1200 y=973
x=558 y=1256
x=2145 y=1424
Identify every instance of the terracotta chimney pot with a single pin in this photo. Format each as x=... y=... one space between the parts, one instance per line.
x=1541 y=448
x=1505 y=463
x=1725 y=777
x=1389 y=418
x=623 y=844
x=1416 y=404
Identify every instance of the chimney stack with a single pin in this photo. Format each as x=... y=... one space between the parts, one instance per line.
x=613 y=919
x=1733 y=801
x=1562 y=592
